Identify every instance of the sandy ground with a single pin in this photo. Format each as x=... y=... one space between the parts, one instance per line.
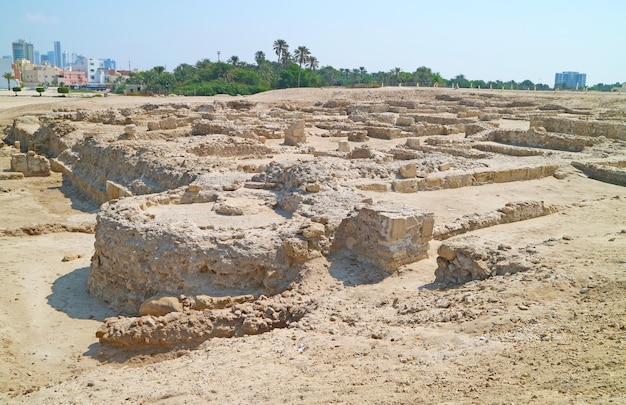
x=553 y=335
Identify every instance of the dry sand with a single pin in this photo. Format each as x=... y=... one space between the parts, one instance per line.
x=552 y=335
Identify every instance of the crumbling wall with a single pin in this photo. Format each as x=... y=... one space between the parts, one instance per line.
x=137 y=256
x=189 y=328
x=470 y=258
x=511 y=212
x=442 y=180
x=537 y=137
x=30 y=164
x=385 y=235
x=591 y=128
x=608 y=172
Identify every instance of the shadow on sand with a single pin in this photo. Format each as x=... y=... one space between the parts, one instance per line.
x=69 y=295
x=352 y=272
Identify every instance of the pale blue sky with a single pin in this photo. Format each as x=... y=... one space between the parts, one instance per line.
x=489 y=40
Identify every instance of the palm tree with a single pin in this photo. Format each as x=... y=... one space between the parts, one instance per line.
x=233 y=60
x=9 y=76
x=281 y=48
x=312 y=63
x=259 y=57
x=301 y=55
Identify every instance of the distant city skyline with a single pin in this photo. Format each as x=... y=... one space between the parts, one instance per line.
x=483 y=40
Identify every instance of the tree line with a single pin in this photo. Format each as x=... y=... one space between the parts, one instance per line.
x=296 y=69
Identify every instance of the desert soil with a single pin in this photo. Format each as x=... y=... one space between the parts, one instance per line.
x=553 y=335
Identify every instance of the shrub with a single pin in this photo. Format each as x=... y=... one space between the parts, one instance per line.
x=16 y=90
x=63 y=91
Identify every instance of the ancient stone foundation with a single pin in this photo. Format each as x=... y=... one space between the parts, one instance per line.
x=30 y=164
x=386 y=236
x=470 y=258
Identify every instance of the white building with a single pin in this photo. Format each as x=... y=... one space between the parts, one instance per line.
x=5 y=67
x=93 y=68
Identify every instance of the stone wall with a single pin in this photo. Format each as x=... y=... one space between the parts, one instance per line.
x=385 y=235
x=441 y=180
x=589 y=128
x=511 y=212
x=30 y=164
x=190 y=328
x=138 y=256
x=537 y=137
x=604 y=171
x=470 y=258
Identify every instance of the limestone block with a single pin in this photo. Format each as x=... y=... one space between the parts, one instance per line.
x=159 y=306
x=343 y=147
x=386 y=235
x=130 y=129
x=413 y=143
x=294 y=134
x=483 y=177
x=296 y=248
x=408 y=171
x=459 y=180
x=384 y=132
x=377 y=187
x=153 y=126
x=19 y=162
x=203 y=302
x=314 y=231
x=361 y=153
x=358 y=136
x=405 y=121
x=30 y=164
x=115 y=191
x=312 y=188
x=434 y=183
x=168 y=123
x=405 y=186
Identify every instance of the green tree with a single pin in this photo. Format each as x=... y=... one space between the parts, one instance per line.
x=259 y=58
x=233 y=60
x=424 y=76
x=301 y=56
x=9 y=76
x=17 y=90
x=40 y=90
x=312 y=63
x=184 y=73
x=63 y=91
x=282 y=49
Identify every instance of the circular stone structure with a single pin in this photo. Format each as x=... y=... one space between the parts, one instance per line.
x=193 y=241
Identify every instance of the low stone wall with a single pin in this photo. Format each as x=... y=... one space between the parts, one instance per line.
x=470 y=258
x=140 y=253
x=440 y=181
x=589 y=128
x=538 y=138
x=511 y=212
x=190 y=328
x=604 y=171
x=507 y=150
x=30 y=164
x=386 y=236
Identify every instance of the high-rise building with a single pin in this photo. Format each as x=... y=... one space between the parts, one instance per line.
x=570 y=80
x=37 y=58
x=109 y=64
x=23 y=50
x=58 y=62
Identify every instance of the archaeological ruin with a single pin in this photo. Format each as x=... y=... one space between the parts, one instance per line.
x=214 y=212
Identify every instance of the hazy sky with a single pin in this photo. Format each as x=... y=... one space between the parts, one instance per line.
x=489 y=40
